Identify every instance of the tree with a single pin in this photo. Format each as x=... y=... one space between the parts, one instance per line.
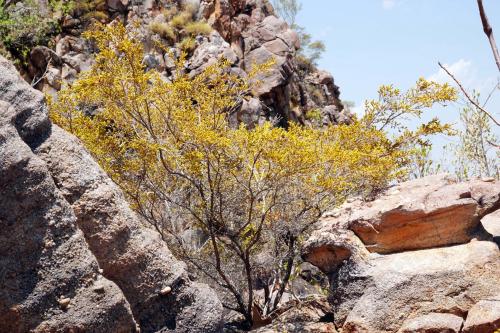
x=475 y=154
x=252 y=193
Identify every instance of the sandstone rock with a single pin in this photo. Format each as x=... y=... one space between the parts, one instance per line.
x=43 y=255
x=375 y=293
x=424 y=213
x=328 y=250
x=433 y=323
x=41 y=56
x=491 y=223
x=130 y=255
x=378 y=295
x=484 y=316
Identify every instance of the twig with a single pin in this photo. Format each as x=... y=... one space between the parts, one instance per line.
x=468 y=96
x=488 y=30
x=34 y=83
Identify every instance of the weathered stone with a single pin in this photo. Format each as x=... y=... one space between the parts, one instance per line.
x=424 y=213
x=491 y=223
x=43 y=254
x=484 y=316
x=378 y=295
x=133 y=257
x=433 y=323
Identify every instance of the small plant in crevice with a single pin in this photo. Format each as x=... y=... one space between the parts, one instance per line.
x=178 y=26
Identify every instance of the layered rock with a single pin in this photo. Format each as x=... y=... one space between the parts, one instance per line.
x=246 y=33
x=69 y=222
x=416 y=252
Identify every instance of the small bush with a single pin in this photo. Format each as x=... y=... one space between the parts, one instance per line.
x=314 y=115
x=22 y=26
x=198 y=28
x=169 y=13
x=163 y=29
x=188 y=44
x=181 y=20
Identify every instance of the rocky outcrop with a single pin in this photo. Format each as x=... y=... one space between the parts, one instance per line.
x=419 y=251
x=246 y=33
x=49 y=279
x=484 y=316
x=73 y=253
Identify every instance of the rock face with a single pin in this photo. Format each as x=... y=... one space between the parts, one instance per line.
x=434 y=323
x=73 y=253
x=397 y=264
x=48 y=276
x=246 y=33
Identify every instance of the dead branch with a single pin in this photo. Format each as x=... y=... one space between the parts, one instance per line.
x=488 y=30
x=467 y=94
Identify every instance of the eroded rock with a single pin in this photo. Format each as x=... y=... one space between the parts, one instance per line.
x=433 y=323
x=395 y=260
x=133 y=257
x=484 y=316
x=44 y=257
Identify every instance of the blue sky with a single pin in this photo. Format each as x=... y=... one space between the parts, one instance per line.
x=374 y=42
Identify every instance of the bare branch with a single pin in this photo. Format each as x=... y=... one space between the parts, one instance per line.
x=488 y=30
x=467 y=94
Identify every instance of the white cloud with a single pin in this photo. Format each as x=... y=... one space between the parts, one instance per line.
x=467 y=73
x=461 y=69
x=388 y=4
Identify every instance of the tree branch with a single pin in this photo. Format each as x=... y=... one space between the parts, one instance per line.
x=467 y=95
x=488 y=30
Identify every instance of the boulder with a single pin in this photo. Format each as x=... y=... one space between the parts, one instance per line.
x=379 y=294
x=424 y=213
x=130 y=255
x=417 y=249
x=48 y=274
x=433 y=323
x=491 y=223
x=484 y=316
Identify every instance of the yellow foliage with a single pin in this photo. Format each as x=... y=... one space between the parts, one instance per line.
x=187 y=44
x=169 y=146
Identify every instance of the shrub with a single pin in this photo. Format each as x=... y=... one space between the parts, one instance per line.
x=23 y=26
x=198 y=28
x=170 y=12
x=179 y=21
x=164 y=30
x=253 y=192
x=187 y=44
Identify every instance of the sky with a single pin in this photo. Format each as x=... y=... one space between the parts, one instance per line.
x=375 y=42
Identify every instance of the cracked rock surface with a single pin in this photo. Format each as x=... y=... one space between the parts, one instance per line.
x=398 y=263
x=74 y=257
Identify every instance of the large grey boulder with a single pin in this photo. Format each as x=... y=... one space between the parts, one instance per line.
x=130 y=255
x=49 y=279
x=379 y=295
